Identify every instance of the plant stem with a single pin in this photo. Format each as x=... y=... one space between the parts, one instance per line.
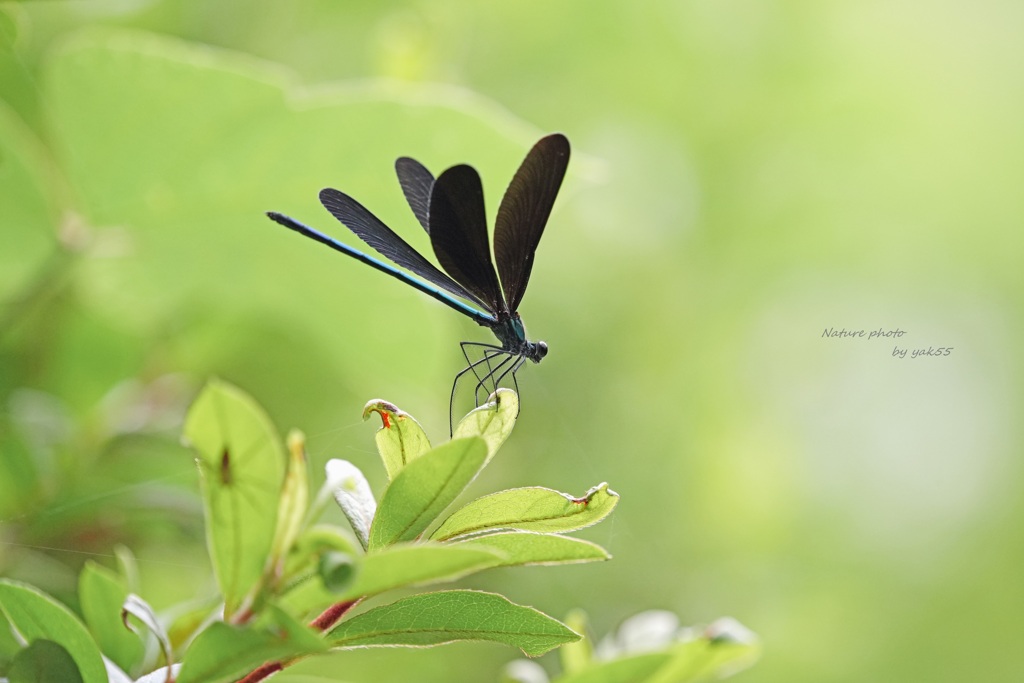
x=263 y=672
x=333 y=614
x=328 y=618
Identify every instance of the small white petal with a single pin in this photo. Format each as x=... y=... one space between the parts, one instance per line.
x=525 y=671
x=160 y=675
x=354 y=496
x=729 y=630
x=648 y=630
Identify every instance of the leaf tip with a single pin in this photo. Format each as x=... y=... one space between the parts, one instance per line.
x=296 y=443
x=385 y=409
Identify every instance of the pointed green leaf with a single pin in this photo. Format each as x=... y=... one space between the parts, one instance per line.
x=37 y=616
x=43 y=661
x=294 y=500
x=127 y=567
x=448 y=616
x=9 y=642
x=579 y=655
x=242 y=468
x=418 y=564
x=493 y=421
x=224 y=653
x=424 y=489
x=101 y=593
x=400 y=440
x=529 y=509
x=524 y=547
x=184 y=625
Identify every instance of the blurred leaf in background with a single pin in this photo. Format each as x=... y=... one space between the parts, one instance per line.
x=749 y=175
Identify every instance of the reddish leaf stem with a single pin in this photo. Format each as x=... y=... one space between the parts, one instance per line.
x=263 y=672
x=330 y=616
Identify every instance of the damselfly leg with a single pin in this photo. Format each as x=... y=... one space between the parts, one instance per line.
x=487 y=372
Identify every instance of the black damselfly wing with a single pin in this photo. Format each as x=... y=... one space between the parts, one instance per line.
x=458 y=233
x=385 y=242
x=416 y=182
x=524 y=212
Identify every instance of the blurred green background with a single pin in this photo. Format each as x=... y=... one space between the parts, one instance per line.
x=745 y=175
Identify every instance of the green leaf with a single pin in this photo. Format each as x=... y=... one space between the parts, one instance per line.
x=529 y=509
x=579 y=655
x=417 y=564
x=128 y=567
x=225 y=653
x=9 y=643
x=445 y=617
x=242 y=466
x=44 y=661
x=101 y=593
x=37 y=616
x=493 y=421
x=294 y=500
x=185 y=624
x=424 y=489
x=631 y=669
x=306 y=593
x=400 y=440
x=525 y=547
